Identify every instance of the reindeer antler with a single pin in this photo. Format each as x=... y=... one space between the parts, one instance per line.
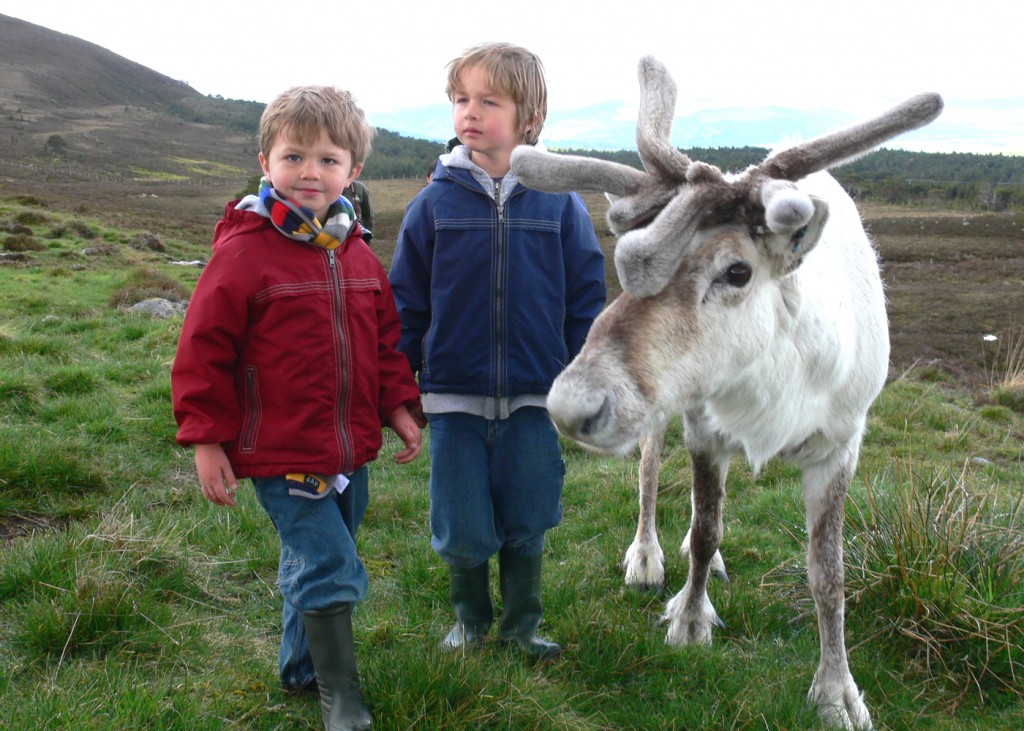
x=837 y=148
x=659 y=211
x=639 y=196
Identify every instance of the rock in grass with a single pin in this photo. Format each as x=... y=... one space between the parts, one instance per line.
x=158 y=307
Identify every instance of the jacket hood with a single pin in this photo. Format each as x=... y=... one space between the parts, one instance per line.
x=459 y=159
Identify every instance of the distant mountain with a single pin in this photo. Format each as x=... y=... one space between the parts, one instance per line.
x=70 y=105
x=992 y=126
x=43 y=69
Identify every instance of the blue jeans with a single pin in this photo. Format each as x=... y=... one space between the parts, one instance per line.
x=493 y=483
x=319 y=566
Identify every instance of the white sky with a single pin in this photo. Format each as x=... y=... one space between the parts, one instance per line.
x=861 y=56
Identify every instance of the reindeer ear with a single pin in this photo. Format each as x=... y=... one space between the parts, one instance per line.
x=787 y=245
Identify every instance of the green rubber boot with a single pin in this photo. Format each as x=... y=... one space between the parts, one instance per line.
x=329 y=633
x=471 y=599
x=520 y=592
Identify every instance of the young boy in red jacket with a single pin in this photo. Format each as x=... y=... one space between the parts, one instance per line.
x=286 y=370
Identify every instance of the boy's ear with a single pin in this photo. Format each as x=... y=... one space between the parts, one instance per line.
x=356 y=169
x=263 y=164
x=529 y=126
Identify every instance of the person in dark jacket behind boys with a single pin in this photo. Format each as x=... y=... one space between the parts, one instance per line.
x=359 y=196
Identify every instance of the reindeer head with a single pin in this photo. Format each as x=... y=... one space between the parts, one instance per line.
x=703 y=258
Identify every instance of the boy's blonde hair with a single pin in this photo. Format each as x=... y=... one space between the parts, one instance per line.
x=511 y=71
x=307 y=110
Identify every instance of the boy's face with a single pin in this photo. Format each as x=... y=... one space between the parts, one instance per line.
x=312 y=175
x=485 y=122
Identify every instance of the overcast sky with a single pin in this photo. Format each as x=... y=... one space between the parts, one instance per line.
x=859 y=56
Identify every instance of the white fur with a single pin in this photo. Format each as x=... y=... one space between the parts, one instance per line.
x=753 y=308
x=786 y=367
x=786 y=208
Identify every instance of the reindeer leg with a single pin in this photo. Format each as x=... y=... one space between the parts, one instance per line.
x=645 y=562
x=833 y=690
x=717 y=562
x=690 y=613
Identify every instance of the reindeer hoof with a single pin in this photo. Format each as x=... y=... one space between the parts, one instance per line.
x=690 y=626
x=645 y=567
x=840 y=705
x=646 y=588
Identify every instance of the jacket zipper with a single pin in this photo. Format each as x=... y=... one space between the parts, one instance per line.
x=499 y=288
x=499 y=295
x=343 y=358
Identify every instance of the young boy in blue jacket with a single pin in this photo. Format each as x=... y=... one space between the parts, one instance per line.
x=496 y=287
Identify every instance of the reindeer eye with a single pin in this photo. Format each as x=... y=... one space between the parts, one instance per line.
x=737 y=275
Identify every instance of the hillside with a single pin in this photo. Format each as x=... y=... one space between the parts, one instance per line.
x=41 y=70
x=74 y=116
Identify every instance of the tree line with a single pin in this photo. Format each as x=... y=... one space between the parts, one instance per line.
x=958 y=180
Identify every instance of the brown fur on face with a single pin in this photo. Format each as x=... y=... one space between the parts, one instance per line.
x=647 y=334
x=637 y=329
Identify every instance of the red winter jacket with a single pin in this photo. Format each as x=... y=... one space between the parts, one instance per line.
x=287 y=355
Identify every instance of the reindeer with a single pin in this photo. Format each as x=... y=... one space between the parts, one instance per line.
x=752 y=306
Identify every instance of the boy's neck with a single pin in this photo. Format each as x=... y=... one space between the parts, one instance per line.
x=495 y=166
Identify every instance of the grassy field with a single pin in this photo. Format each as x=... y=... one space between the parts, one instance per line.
x=127 y=601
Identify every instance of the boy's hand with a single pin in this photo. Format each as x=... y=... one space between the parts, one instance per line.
x=405 y=426
x=416 y=410
x=214 y=471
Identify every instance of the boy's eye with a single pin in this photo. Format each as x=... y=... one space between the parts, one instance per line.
x=293 y=158
x=327 y=161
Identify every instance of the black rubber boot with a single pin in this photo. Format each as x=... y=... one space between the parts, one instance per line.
x=329 y=633
x=520 y=592
x=471 y=599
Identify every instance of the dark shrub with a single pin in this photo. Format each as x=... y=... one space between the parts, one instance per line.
x=82 y=229
x=22 y=242
x=148 y=283
x=31 y=218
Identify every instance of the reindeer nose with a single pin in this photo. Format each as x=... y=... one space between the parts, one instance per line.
x=596 y=421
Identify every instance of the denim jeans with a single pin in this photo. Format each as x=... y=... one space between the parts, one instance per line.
x=493 y=483
x=319 y=566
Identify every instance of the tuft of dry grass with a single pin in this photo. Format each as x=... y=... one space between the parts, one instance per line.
x=943 y=569
x=1006 y=374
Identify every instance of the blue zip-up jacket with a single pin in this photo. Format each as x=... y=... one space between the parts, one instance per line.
x=495 y=298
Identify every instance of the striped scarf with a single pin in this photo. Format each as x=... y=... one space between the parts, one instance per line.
x=299 y=223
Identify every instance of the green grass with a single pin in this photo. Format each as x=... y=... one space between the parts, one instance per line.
x=127 y=601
